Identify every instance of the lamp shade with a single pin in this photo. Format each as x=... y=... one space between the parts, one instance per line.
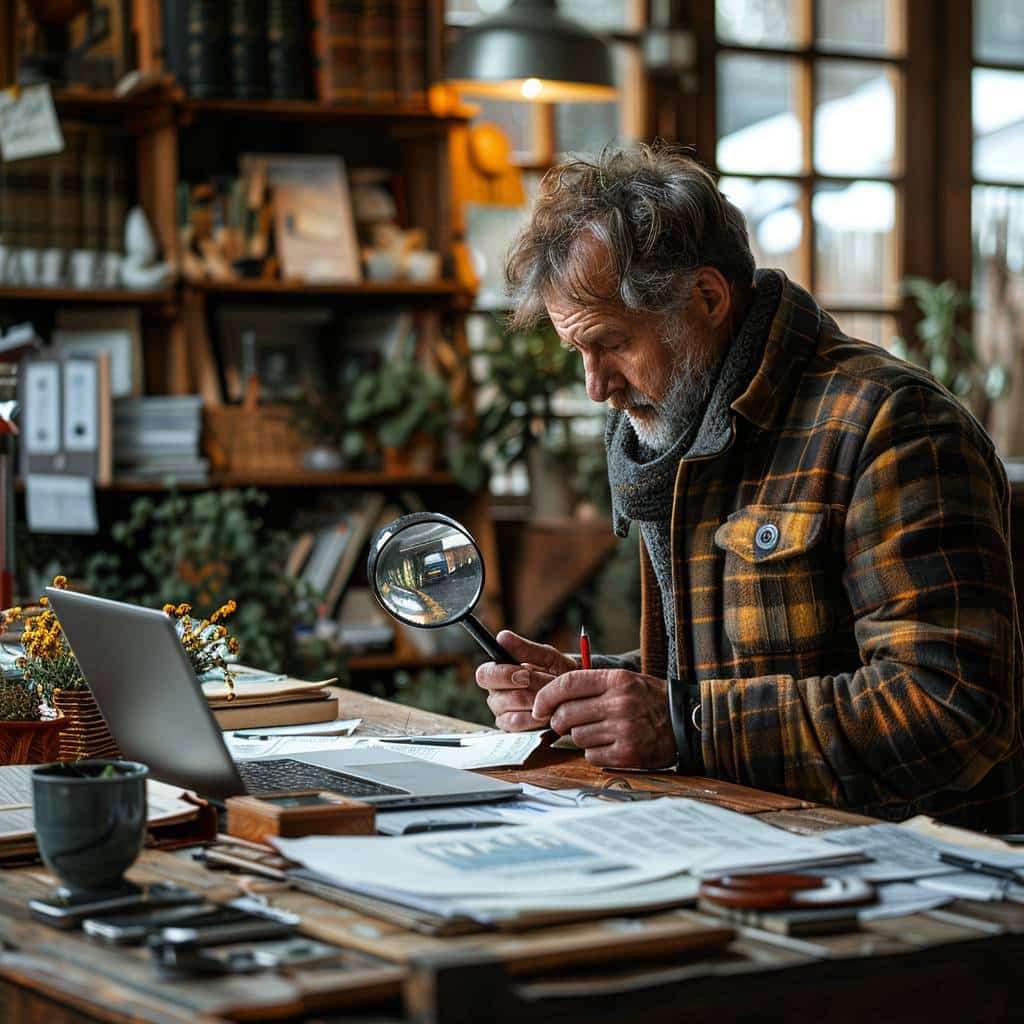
x=530 y=51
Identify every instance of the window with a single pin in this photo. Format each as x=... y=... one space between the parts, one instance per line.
x=809 y=104
x=997 y=199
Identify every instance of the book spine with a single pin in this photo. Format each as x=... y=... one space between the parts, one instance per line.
x=378 y=51
x=247 y=31
x=207 y=72
x=411 y=51
x=287 y=55
x=340 y=51
x=319 y=40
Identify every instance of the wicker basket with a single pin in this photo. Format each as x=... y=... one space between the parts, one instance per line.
x=86 y=734
x=240 y=440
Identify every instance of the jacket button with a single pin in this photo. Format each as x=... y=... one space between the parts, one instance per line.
x=766 y=538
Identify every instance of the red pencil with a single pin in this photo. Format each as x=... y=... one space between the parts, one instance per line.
x=584 y=648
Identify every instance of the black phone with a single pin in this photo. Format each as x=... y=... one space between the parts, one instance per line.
x=207 y=924
x=67 y=910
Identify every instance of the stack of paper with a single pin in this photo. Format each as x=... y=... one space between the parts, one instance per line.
x=607 y=859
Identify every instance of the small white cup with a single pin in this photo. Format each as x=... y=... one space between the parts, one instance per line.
x=110 y=269
x=29 y=260
x=383 y=265
x=51 y=271
x=82 y=268
x=423 y=265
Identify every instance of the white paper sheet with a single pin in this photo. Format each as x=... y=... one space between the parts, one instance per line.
x=899 y=898
x=28 y=123
x=60 y=504
x=340 y=727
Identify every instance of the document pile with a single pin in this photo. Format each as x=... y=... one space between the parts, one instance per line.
x=920 y=864
x=638 y=856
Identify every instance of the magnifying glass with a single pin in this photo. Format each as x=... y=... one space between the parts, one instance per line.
x=427 y=571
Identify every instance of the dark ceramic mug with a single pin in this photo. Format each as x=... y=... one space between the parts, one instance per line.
x=89 y=828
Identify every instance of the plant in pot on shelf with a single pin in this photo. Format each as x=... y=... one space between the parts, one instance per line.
x=525 y=371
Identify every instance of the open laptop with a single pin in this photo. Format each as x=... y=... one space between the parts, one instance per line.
x=155 y=709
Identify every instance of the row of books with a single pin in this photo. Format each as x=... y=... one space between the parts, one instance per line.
x=157 y=436
x=372 y=51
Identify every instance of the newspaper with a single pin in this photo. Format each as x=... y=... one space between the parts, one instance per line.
x=601 y=849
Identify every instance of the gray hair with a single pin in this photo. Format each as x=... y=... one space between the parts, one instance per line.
x=655 y=211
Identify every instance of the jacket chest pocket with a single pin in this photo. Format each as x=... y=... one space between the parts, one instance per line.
x=774 y=588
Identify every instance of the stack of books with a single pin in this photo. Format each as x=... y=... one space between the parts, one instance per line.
x=263 y=699
x=159 y=436
x=364 y=51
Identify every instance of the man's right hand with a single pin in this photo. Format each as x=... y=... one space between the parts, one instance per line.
x=512 y=688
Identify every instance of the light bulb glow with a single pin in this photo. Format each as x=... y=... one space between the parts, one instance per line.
x=531 y=88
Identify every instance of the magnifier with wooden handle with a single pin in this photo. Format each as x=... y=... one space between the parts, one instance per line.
x=426 y=570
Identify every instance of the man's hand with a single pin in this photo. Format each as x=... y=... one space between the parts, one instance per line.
x=620 y=718
x=512 y=688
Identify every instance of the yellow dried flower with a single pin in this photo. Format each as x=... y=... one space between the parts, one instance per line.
x=60 y=582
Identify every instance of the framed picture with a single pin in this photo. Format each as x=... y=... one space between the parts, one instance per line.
x=314 y=230
x=117 y=332
x=281 y=345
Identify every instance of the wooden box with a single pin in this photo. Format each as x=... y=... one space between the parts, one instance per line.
x=305 y=813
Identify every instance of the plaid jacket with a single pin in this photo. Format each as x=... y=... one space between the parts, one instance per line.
x=843 y=587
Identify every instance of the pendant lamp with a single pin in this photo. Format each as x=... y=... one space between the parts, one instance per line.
x=529 y=51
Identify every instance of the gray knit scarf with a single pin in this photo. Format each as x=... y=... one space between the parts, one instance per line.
x=642 y=481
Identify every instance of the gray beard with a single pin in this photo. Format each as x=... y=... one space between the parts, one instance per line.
x=687 y=395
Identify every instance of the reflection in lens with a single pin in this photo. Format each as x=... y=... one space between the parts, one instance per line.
x=429 y=574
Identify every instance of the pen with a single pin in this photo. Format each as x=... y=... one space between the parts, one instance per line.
x=423 y=741
x=584 y=648
x=967 y=864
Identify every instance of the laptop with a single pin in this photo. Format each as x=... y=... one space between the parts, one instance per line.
x=155 y=709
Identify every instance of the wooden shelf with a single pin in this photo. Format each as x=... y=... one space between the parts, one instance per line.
x=96 y=296
x=367 y=479
x=106 y=105
x=304 y=290
x=307 y=110
x=390 y=662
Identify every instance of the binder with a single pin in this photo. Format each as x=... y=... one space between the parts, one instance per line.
x=67 y=425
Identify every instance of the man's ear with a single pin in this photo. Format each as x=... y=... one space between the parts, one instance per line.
x=713 y=296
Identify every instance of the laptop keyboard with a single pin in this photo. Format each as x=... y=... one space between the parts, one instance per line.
x=287 y=776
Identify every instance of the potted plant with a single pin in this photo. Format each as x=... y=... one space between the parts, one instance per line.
x=947 y=350
x=50 y=670
x=405 y=407
x=28 y=733
x=526 y=371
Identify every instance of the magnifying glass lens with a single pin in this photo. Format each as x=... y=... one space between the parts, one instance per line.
x=429 y=574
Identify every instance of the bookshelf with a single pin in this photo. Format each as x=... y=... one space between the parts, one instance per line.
x=173 y=138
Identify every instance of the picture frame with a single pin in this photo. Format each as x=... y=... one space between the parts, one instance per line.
x=314 y=229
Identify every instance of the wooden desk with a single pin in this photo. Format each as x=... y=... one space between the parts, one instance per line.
x=956 y=961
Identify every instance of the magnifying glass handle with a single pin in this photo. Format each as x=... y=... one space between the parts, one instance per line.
x=482 y=635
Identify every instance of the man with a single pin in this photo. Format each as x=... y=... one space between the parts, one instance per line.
x=828 y=606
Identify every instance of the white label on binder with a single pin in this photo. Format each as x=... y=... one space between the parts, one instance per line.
x=42 y=408
x=81 y=405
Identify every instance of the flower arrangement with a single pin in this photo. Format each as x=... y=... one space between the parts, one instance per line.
x=208 y=642
x=46 y=663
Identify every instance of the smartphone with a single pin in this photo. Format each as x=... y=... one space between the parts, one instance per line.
x=207 y=925
x=132 y=929
x=67 y=911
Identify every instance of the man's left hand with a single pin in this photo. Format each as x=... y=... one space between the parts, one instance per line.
x=620 y=718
